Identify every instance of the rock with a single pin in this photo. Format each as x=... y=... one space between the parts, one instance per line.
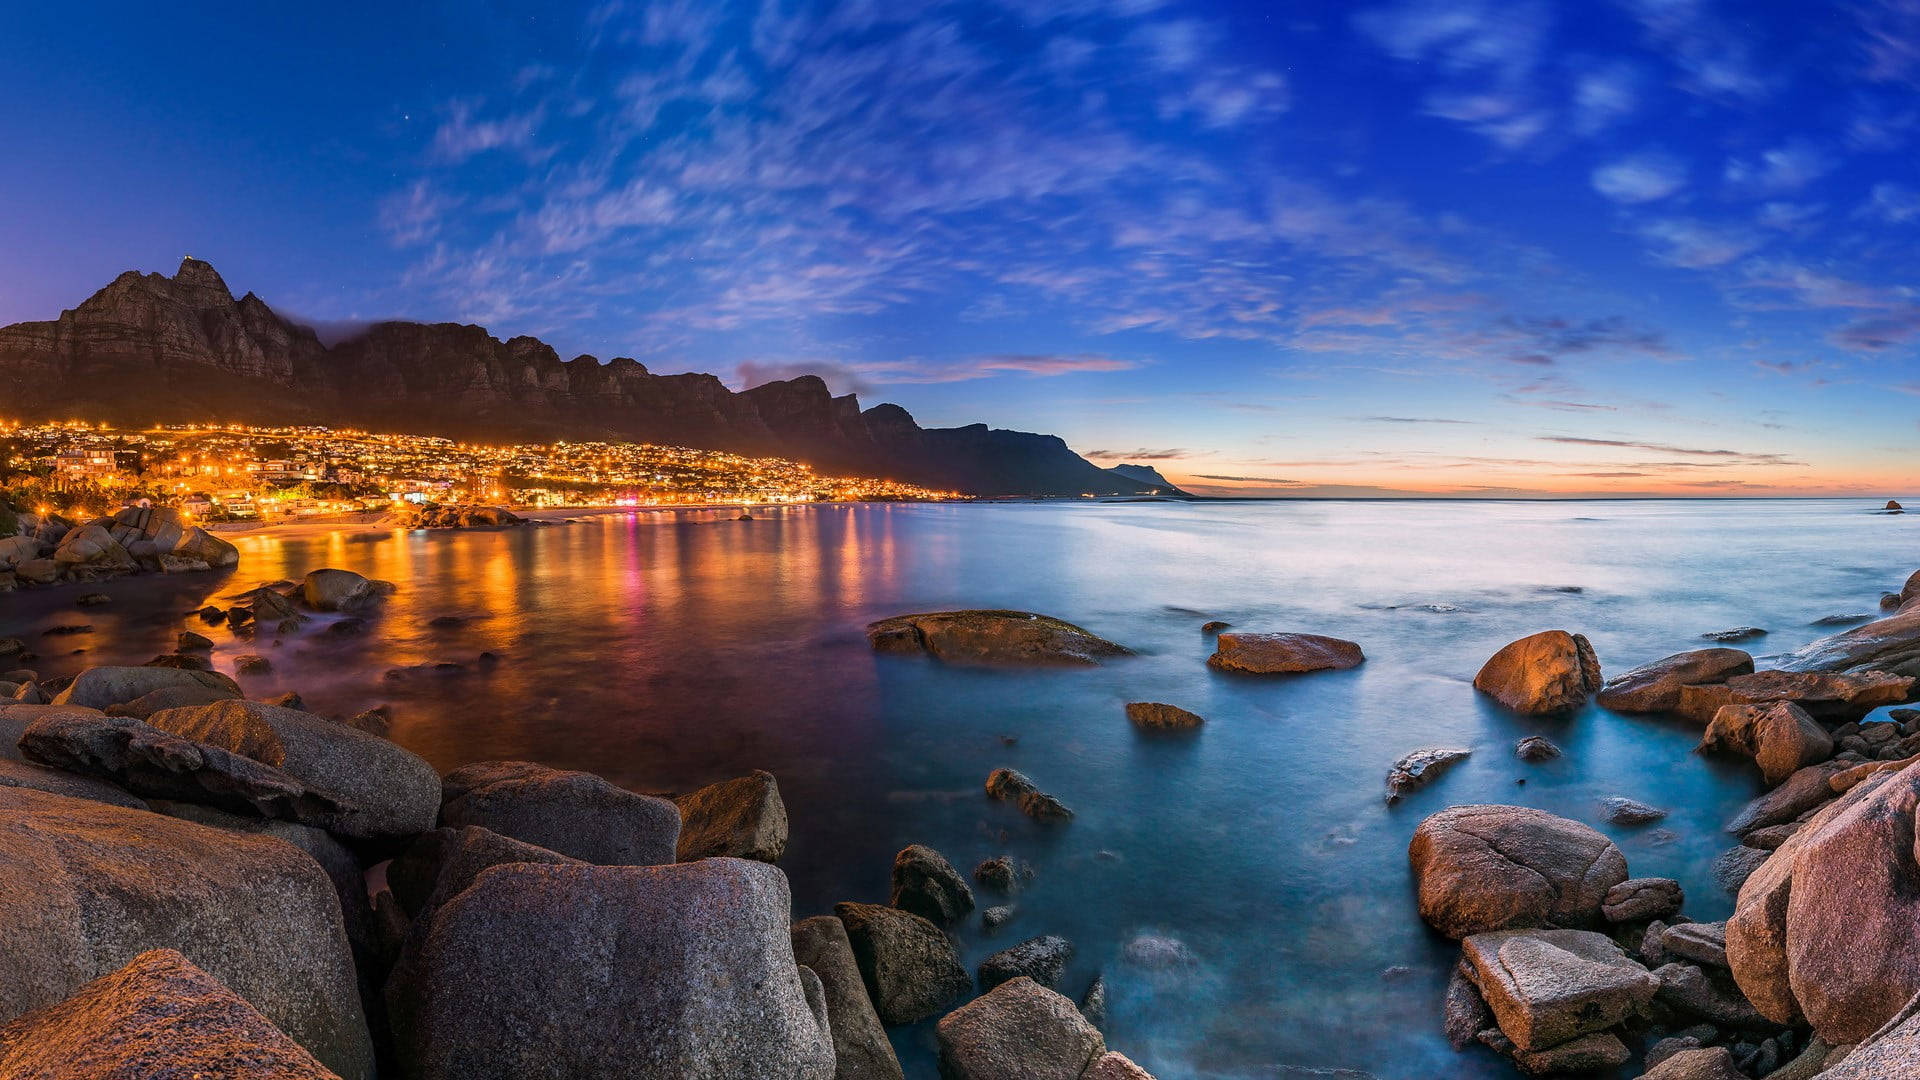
x=441 y=864
x=1829 y=696
x=1003 y=873
x=38 y=571
x=1093 y=1003
x=1042 y=959
x=1018 y=1031
x=1638 y=899
x=1594 y=1053
x=1484 y=868
x=91 y=887
x=1773 y=836
x=192 y=642
x=996 y=917
x=94 y=546
x=1797 y=794
x=1114 y=1065
x=184 y=661
x=159 y=1016
x=1011 y=785
x=385 y=791
x=911 y=969
x=1157 y=952
x=1701 y=942
x=1736 y=864
x=1893 y=504
x=860 y=1047
x=180 y=564
x=925 y=883
x=992 y=637
x=1542 y=675
x=252 y=664
x=1738 y=633
x=339 y=590
x=1656 y=687
x=1213 y=626
x=573 y=813
x=168 y=697
x=1465 y=1012
x=97 y=688
x=1620 y=810
x=1420 y=767
x=1892 y=1053
x=1780 y=737
x=93 y=600
x=1154 y=716
x=1711 y=1063
x=1548 y=987
x=1280 y=654
x=147 y=761
x=1535 y=748
x=742 y=818
x=197 y=543
x=577 y=972
x=1689 y=990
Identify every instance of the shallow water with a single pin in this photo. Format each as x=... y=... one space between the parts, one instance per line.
x=666 y=652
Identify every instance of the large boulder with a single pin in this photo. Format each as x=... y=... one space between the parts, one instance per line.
x=1542 y=675
x=92 y=545
x=338 y=590
x=17 y=771
x=925 y=883
x=1483 y=868
x=197 y=543
x=741 y=818
x=1803 y=790
x=681 y=972
x=860 y=1047
x=102 y=687
x=1656 y=687
x=911 y=969
x=1280 y=654
x=1019 y=1030
x=1835 y=697
x=441 y=864
x=385 y=790
x=1042 y=959
x=1893 y=1053
x=1548 y=987
x=1780 y=737
x=90 y=887
x=984 y=637
x=1825 y=928
x=573 y=813
x=159 y=1016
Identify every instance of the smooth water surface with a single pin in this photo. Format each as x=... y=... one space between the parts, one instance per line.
x=668 y=651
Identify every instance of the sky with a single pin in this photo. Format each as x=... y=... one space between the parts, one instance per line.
x=1604 y=247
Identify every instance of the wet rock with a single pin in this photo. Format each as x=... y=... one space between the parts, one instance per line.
x=97 y=688
x=1042 y=959
x=992 y=637
x=573 y=813
x=1011 y=785
x=1710 y=1063
x=1638 y=899
x=1214 y=626
x=1656 y=687
x=212 y=615
x=1738 y=633
x=1155 y=716
x=1545 y=674
x=93 y=600
x=1093 y=1003
x=1018 y=1031
x=1620 y=810
x=575 y=972
x=911 y=969
x=91 y=887
x=1002 y=872
x=1736 y=864
x=1547 y=987
x=925 y=883
x=1780 y=737
x=385 y=791
x=1483 y=868
x=1799 y=793
x=860 y=1047
x=996 y=917
x=1535 y=748
x=1465 y=1012
x=1420 y=767
x=159 y=1016
x=1278 y=654
x=742 y=818
x=1834 y=697
x=339 y=590
x=192 y=642
x=1690 y=990
x=183 y=661
x=252 y=664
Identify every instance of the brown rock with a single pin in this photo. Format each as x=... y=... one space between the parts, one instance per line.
x=1113 y=1065
x=573 y=813
x=1711 y=1063
x=741 y=818
x=1484 y=868
x=860 y=1047
x=1279 y=654
x=1656 y=687
x=1828 y=696
x=1780 y=737
x=1154 y=716
x=911 y=969
x=100 y=687
x=1802 y=791
x=1548 y=987
x=1018 y=1031
x=990 y=637
x=1548 y=673
x=925 y=883
x=1638 y=899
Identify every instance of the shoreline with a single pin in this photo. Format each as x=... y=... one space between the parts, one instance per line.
x=370 y=520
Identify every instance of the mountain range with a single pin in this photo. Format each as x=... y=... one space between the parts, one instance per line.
x=151 y=349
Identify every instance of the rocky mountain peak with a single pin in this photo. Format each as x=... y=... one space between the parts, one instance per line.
x=199 y=284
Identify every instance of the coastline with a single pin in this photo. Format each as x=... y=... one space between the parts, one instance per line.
x=321 y=524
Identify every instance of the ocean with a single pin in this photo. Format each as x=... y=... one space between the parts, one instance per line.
x=667 y=651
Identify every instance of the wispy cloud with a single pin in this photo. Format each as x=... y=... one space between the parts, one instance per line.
x=1641 y=178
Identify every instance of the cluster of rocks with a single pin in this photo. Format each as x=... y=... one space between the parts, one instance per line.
x=438 y=516
x=51 y=550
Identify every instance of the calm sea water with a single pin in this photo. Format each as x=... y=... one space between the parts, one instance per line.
x=665 y=652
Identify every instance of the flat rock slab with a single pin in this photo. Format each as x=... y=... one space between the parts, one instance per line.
x=158 y=1016
x=1483 y=868
x=1283 y=654
x=992 y=637
x=1548 y=987
x=1656 y=687
x=1892 y=645
x=1421 y=767
x=1829 y=696
x=574 y=813
x=1545 y=674
x=1639 y=899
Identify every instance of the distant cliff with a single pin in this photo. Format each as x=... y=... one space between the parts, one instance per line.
x=1148 y=475
x=152 y=349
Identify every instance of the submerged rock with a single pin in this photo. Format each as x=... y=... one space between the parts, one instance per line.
x=1154 y=716
x=1738 y=633
x=1780 y=737
x=1535 y=748
x=1011 y=785
x=1891 y=645
x=925 y=883
x=911 y=969
x=1548 y=673
x=742 y=818
x=1656 y=687
x=860 y=1047
x=992 y=637
x=1018 y=1031
x=1420 y=767
x=1485 y=868
x=1042 y=959
x=159 y=1016
x=1279 y=654
x=1620 y=810
x=573 y=813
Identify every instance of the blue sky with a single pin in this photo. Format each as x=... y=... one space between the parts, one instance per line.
x=1609 y=247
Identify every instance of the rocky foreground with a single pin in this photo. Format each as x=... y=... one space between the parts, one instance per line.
x=51 y=550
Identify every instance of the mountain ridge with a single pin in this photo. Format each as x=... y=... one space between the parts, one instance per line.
x=149 y=349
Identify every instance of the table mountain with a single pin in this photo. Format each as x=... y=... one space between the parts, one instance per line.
x=149 y=349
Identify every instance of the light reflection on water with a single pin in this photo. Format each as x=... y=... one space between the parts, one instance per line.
x=668 y=652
